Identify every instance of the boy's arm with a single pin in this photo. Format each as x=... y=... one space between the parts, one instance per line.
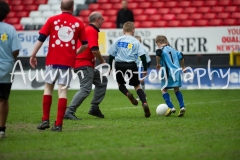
x=144 y=61
x=158 y=58
x=111 y=58
x=182 y=65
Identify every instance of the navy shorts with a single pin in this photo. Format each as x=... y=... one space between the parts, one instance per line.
x=123 y=67
x=5 y=89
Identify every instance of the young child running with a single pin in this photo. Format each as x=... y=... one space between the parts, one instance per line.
x=126 y=50
x=170 y=62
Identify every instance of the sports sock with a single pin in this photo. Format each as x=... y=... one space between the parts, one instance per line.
x=2 y=129
x=141 y=95
x=46 y=105
x=123 y=89
x=62 y=105
x=180 y=98
x=143 y=86
x=167 y=99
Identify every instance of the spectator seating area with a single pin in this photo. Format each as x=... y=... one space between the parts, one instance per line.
x=31 y=14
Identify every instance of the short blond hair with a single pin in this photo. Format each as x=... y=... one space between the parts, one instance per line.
x=128 y=26
x=161 y=39
x=138 y=38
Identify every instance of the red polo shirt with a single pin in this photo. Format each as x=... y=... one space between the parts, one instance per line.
x=64 y=31
x=86 y=58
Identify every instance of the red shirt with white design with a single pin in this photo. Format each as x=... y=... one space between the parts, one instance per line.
x=87 y=58
x=64 y=30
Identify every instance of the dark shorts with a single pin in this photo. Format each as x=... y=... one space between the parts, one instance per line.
x=5 y=89
x=123 y=67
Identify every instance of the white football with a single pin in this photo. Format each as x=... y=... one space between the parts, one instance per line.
x=161 y=109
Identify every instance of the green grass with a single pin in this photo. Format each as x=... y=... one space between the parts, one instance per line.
x=210 y=129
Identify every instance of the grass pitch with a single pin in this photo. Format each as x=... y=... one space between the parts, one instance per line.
x=210 y=129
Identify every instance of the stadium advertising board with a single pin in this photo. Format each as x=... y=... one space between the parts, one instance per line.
x=193 y=40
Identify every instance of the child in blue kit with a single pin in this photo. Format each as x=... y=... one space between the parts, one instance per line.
x=170 y=62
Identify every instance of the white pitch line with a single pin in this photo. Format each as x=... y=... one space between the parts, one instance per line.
x=135 y=107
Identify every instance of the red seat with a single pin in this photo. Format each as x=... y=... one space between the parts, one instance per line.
x=16 y=2
x=140 y=17
x=223 y=15
x=115 y=1
x=235 y=15
x=22 y=14
x=210 y=3
x=236 y=2
x=195 y=16
x=132 y=5
x=84 y=13
x=160 y=24
x=229 y=22
x=177 y=10
x=11 y=14
x=184 y=4
x=150 y=11
x=238 y=22
x=137 y=24
x=139 y=0
x=168 y=16
x=146 y=24
x=117 y=6
x=108 y=25
x=201 y=22
x=112 y=18
x=197 y=3
x=80 y=18
x=32 y=7
x=144 y=5
x=158 y=5
x=106 y=6
x=94 y=6
x=111 y=12
x=137 y=11
x=224 y=2
x=230 y=9
x=156 y=17
x=18 y=27
x=28 y=2
x=215 y=22
x=174 y=23
x=217 y=9
x=12 y=20
x=187 y=23
x=163 y=11
x=40 y=1
x=170 y=4
x=190 y=10
x=182 y=16
x=209 y=15
x=103 y=1
x=203 y=9
x=18 y=8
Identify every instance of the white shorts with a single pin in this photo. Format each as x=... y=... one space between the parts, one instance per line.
x=63 y=76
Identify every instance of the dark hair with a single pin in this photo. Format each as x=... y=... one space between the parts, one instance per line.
x=4 y=10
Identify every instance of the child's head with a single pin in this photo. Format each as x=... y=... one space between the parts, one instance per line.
x=138 y=38
x=161 y=40
x=128 y=28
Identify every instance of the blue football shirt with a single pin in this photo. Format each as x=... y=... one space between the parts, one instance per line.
x=9 y=43
x=126 y=49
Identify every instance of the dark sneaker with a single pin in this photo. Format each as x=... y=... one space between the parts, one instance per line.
x=96 y=112
x=57 y=128
x=71 y=116
x=146 y=110
x=43 y=125
x=132 y=99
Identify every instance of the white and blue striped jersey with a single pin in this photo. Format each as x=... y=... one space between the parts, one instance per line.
x=126 y=49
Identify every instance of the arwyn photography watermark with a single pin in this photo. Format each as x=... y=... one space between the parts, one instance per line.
x=152 y=76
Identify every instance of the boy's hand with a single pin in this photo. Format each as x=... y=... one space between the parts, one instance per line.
x=158 y=67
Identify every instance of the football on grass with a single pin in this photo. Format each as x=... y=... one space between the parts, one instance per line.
x=161 y=109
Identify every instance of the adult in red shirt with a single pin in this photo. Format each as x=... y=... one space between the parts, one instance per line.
x=84 y=67
x=64 y=30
